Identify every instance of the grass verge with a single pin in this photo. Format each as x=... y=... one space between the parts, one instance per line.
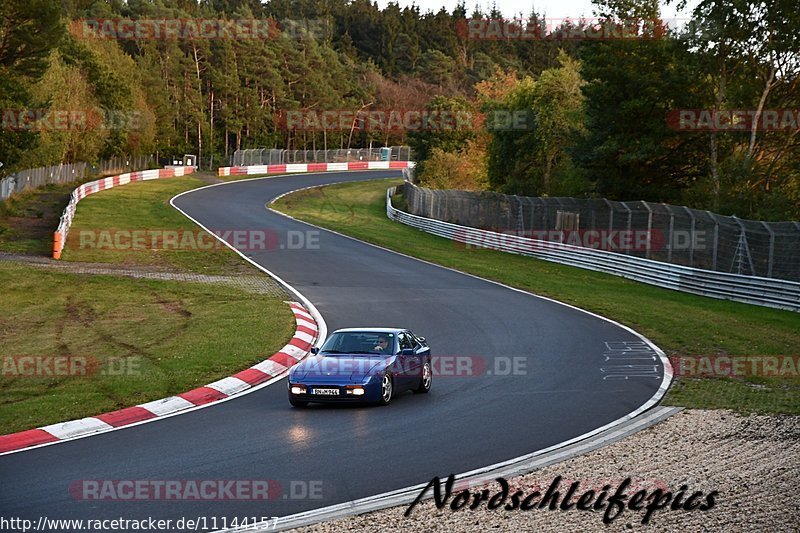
x=681 y=324
x=135 y=339
x=123 y=341
x=28 y=219
x=142 y=207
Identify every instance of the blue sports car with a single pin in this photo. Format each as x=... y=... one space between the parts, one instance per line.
x=362 y=365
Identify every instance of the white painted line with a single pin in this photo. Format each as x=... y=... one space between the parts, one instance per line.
x=323 y=327
x=668 y=372
x=406 y=495
x=229 y=385
x=73 y=428
x=167 y=405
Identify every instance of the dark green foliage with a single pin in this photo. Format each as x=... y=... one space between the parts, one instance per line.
x=214 y=96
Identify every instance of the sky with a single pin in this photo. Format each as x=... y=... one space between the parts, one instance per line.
x=551 y=8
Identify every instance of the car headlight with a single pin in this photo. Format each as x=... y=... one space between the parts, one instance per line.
x=298 y=389
x=354 y=390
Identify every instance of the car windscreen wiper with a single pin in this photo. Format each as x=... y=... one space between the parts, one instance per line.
x=331 y=351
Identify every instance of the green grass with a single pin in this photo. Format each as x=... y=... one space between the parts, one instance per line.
x=152 y=338
x=144 y=339
x=681 y=324
x=144 y=206
x=28 y=219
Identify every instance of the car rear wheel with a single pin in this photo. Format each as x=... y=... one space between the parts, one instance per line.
x=387 y=390
x=297 y=403
x=426 y=379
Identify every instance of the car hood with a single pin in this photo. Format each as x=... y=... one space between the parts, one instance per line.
x=351 y=368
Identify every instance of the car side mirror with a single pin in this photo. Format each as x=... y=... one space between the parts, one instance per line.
x=407 y=351
x=314 y=350
x=422 y=339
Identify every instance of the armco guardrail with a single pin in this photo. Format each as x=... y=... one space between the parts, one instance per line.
x=314 y=167
x=767 y=292
x=277 y=156
x=60 y=235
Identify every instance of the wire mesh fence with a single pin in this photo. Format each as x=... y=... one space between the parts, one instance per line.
x=66 y=173
x=274 y=156
x=662 y=232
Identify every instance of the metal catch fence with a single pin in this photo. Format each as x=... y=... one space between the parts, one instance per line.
x=661 y=232
x=67 y=173
x=778 y=293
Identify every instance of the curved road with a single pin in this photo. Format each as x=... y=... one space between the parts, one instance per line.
x=466 y=422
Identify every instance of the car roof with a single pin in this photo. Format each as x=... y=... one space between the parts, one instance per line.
x=372 y=329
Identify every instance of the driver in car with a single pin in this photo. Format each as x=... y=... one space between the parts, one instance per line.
x=382 y=347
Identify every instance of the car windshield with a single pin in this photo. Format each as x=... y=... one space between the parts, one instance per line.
x=358 y=342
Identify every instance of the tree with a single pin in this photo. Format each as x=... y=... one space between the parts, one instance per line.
x=629 y=151
x=438 y=134
x=532 y=125
x=29 y=30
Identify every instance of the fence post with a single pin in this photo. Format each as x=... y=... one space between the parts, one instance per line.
x=716 y=240
x=649 y=225
x=691 y=236
x=745 y=248
x=610 y=216
x=630 y=215
x=671 y=230
x=771 y=248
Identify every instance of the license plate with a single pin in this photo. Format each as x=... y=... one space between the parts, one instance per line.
x=325 y=392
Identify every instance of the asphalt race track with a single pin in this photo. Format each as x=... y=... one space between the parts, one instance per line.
x=465 y=422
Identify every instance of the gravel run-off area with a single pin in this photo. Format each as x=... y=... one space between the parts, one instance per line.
x=753 y=462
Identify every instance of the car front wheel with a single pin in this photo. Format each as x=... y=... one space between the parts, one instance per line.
x=387 y=390
x=426 y=379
